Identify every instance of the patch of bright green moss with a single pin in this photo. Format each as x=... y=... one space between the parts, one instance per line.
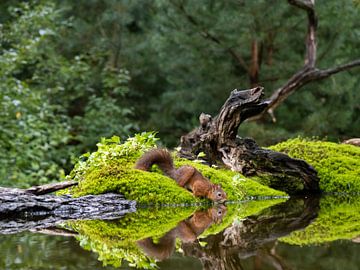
x=115 y=240
x=338 y=165
x=111 y=169
x=338 y=218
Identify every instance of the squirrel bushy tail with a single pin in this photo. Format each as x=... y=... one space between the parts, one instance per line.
x=160 y=157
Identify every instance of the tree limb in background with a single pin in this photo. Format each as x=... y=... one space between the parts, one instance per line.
x=308 y=72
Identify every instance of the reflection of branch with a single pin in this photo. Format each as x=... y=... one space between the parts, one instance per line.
x=55 y=231
x=207 y=35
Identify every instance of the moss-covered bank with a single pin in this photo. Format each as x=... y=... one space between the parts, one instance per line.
x=338 y=219
x=338 y=165
x=111 y=169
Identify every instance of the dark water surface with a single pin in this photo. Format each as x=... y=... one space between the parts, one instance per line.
x=303 y=233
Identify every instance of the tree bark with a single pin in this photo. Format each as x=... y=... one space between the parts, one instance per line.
x=21 y=210
x=218 y=139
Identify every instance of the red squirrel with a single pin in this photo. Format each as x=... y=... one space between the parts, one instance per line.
x=186 y=176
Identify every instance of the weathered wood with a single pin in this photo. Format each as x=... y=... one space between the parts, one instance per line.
x=21 y=210
x=218 y=139
x=48 y=188
x=353 y=141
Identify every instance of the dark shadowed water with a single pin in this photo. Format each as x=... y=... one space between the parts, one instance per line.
x=304 y=233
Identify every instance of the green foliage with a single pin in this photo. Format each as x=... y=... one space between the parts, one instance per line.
x=31 y=135
x=115 y=241
x=338 y=219
x=54 y=106
x=338 y=165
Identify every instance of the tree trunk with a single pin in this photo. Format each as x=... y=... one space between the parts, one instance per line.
x=218 y=139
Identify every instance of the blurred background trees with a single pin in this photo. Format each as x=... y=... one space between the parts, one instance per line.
x=74 y=71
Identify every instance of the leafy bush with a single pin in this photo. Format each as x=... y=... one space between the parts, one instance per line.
x=54 y=105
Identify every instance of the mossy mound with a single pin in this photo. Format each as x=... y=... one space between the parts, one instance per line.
x=111 y=169
x=338 y=165
x=338 y=219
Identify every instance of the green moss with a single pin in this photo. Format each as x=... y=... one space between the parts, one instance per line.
x=338 y=165
x=338 y=219
x=111 y=169
x=116 y=240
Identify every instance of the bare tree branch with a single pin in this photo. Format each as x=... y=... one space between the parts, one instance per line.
x=308 y=72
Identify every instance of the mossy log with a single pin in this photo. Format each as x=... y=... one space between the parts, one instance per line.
x=217 y=138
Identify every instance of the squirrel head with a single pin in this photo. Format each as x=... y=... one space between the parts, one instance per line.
x=217 y=213
x=217 y=194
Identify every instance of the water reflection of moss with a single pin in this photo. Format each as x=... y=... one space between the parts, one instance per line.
x=116 y=240
x=338 y=218
x=338 y=165
x=110 y=169
x=239 y=211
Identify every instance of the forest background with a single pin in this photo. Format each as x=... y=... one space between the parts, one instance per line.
x=75 y=71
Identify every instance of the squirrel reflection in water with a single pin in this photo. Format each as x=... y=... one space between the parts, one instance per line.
x=187 y=230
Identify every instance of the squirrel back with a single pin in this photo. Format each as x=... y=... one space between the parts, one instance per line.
x=186 y=176
x=160 y=157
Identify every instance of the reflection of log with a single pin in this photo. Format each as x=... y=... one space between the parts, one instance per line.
x=217 y=138
x=226 y=249
x=20 y=210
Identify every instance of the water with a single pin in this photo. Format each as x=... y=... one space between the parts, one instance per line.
x=303 y=233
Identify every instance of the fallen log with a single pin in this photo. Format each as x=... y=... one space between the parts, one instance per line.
x=217 y=139
x=22 y=210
